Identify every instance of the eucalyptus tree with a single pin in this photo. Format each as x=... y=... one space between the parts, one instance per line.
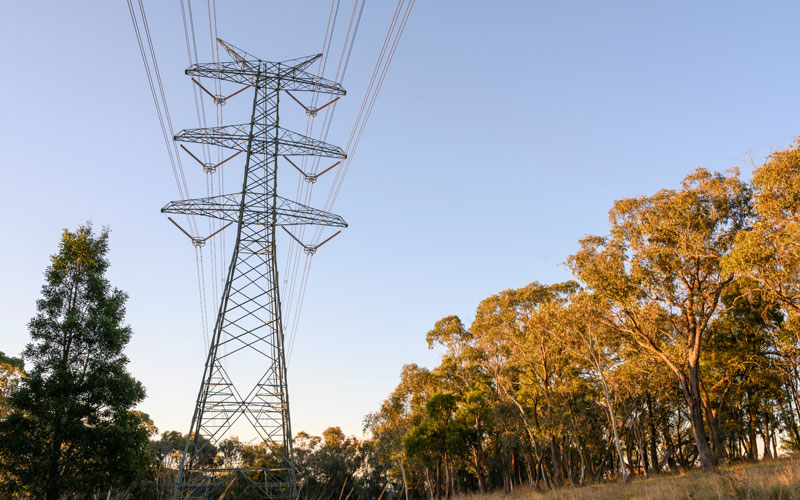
x=462 y=372
x=768 y=254
x=769 y=251
x=659 y=271
x=596 y=346
x=404 y=408
x=518 y=329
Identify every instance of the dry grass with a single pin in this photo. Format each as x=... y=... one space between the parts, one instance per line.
x=778 y=480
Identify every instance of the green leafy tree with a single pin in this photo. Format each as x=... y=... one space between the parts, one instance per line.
x=437 y=437
x=462 y=373
x=404 y=408
x=70 y=427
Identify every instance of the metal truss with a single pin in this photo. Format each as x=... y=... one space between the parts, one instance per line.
x=249 y=319
x=245 y=69
x=258 y=210
x=238 y=137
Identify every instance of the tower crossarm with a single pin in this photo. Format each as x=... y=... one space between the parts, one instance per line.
x=283 y=75
x=237 y=136
x=278 y=76
x=224 y=207
x=245 y=58
x=299 y=144
x=227 y=207
x=292 y=213
x=227 y=71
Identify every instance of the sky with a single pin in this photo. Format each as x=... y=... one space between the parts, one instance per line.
x=503 y=133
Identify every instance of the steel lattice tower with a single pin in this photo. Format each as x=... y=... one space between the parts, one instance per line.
x=249 y=320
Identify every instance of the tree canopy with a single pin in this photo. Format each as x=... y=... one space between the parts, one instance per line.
x=70 y=427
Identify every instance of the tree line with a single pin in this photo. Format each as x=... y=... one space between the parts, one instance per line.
x=676 y=345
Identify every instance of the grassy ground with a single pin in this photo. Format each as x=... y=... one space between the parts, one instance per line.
x=779 y=480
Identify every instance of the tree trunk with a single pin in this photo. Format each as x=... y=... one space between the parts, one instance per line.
x=555 y=452
x=453 y=476
x=713 y=430
x=429 y=482
x=751 y=446
x=438 y=479
x=477 y=458
x=629 y=448
x=447 y=482
x=790 y=415
x=548 y=481
x=512 y=469
x=643 y=452
x=652 y=428
x=506 y=476
x=774 y=442
x=53 y=491
x=582 y=456
x=529 y=472
x=767 y=451
x=612 y=416
x=669 y=448
x=567 y=461
x=692 y=394
x=405 y=483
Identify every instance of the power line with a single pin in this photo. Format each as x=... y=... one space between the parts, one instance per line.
x=217 y=264
x=293 y=260
x=303 y=187
x=166 y=115
x=353 y=146
x=393 y=35
x=177 y=168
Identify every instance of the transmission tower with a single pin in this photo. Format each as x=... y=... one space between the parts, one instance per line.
x=248 y=331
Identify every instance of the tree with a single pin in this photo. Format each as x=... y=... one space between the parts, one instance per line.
x=462 y=374
x=163 y=455
x=11 y=371
x=335 y=466
x=519 y=331
x=769 y=252
x=437 y=437
x=660 y=272
x=71 y=427
x=404 y=408
x=596 y=346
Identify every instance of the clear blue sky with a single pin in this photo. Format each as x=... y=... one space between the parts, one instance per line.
x=502 y=135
